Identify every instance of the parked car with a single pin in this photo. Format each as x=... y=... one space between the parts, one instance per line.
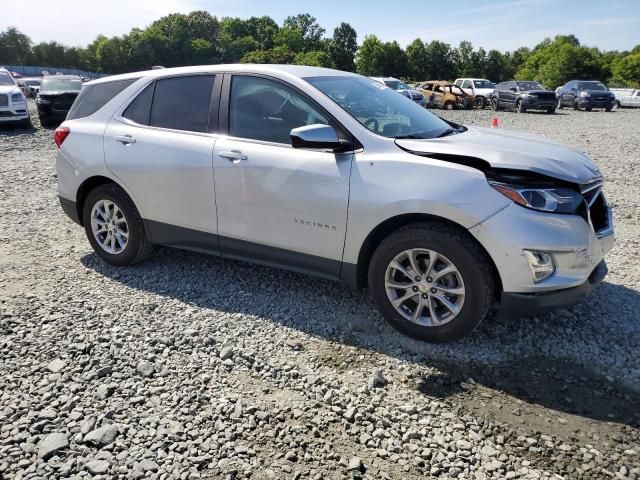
x=626 y=97
x=522 y=96
x=586 y=94
x=13 y=103
x=479 y=88
x=445 y=95
x=30 y=86
x=57 y=94
x=401 y=87
x=326 y=172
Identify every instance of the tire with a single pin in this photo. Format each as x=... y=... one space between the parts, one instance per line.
x=588 y=109
x=551 y=110
x=519 y=107
x=575 y=105
x=494 y=104
x=449 y=106
x=138 y=246
x=454 y=247
x=44 y=122
x=608 y=109
x=480 y=102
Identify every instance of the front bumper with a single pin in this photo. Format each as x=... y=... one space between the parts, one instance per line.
x=586 y=102
x=532 y=103
x=14 y=113
x=527 y=304
x=569 y=239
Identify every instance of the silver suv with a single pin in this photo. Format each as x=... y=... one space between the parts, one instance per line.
x=333 y=174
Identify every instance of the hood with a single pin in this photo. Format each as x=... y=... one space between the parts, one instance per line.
x=59 y=92
x=411 y=93
x=601 y=93
x=536 y=92
x=484 y=91
x=9 y=89
x=512 y=150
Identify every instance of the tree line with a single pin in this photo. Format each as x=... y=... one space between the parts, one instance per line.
x=200 y=38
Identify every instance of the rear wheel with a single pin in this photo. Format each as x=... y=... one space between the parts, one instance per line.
x=114 y=227
x=551 y=110
x=431 y=282
x=449 y=105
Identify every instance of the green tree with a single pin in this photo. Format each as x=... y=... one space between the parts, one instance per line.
x=417 y=60
x=626 y=70
x=370 y=56
x=279 y=54
x=290 y=38
x=343 y=47
x=15 y=47
x=440 y=61
x=318 y=58
x=308 y=27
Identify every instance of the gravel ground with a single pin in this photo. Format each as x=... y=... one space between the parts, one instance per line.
x=188 y=366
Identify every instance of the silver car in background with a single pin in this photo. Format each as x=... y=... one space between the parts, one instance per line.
x=626 y=97
x=402 y=88
x=330 y=173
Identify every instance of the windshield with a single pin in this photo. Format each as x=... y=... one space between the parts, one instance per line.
x=5 y=79
x=61 y=84
x=591 y=86
x=379 y=108
x=32 y=82
x=483 y=84
x=396 y=85
x=529 y=86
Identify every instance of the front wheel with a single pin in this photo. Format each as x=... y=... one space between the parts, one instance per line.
x=480 y=102
x=551 y=110
x=494 y=104
x=449 y=106
x=520 y=107
x=431 y=282
x=114 y=227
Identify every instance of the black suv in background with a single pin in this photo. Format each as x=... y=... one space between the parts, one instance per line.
x=57 y=94
x=522 y=96
x=586 y=94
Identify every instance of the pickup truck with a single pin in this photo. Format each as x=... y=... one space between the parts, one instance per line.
x=626 y=97
x=480 y=88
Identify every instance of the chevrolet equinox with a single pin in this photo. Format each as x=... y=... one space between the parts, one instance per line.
x=334 y=174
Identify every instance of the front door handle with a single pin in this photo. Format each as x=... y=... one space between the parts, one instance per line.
x=232 y=155
x=124 y=139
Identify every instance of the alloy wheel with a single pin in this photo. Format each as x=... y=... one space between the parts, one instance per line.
x=425 y=287
x=109 y=226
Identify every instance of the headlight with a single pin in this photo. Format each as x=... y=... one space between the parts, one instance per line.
x=17 y=97
x=585 y=94
x=556 y=200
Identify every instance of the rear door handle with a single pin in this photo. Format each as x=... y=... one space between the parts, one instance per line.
x=232 y=155
x=124 y=139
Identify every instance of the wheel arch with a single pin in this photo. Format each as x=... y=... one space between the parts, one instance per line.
x=86 y=187
x=356 y=276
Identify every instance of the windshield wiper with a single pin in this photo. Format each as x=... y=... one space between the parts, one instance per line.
x=411 y=136
x=447 y=132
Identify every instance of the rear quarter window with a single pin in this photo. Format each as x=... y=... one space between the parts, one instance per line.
x=93 y=97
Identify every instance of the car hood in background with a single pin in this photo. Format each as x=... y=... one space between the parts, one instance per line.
x=413 y=94
x=512 y=150
x=483 y=91
x=59 y=92
x=9 y=89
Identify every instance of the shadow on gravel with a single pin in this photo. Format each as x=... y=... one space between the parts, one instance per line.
x=534 y=370
x=14 y=130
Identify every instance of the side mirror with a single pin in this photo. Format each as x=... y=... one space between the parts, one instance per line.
x=323 y=137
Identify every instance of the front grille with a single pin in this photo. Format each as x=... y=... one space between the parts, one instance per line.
x=4 y=100
x=600 y=99
x=546 y=96
x=596 y=211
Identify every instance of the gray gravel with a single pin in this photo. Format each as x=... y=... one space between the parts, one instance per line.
x=188 y=366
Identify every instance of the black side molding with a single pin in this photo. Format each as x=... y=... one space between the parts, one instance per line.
x=69 y=207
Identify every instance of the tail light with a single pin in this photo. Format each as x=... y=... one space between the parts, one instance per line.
x=60 y=135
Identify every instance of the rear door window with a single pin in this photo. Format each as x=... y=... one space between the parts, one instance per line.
x=182 y=103
x=139 y=110
x=93 y=97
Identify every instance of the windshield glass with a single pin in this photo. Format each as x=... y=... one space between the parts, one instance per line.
x=379 y=108
x=591 y=86
x=54 y=84
x=529 y=86
x=483 y=84
x=5 y=79
x=396 y=85
x=32 y=82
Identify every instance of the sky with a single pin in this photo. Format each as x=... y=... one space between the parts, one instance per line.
x=501 y=24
